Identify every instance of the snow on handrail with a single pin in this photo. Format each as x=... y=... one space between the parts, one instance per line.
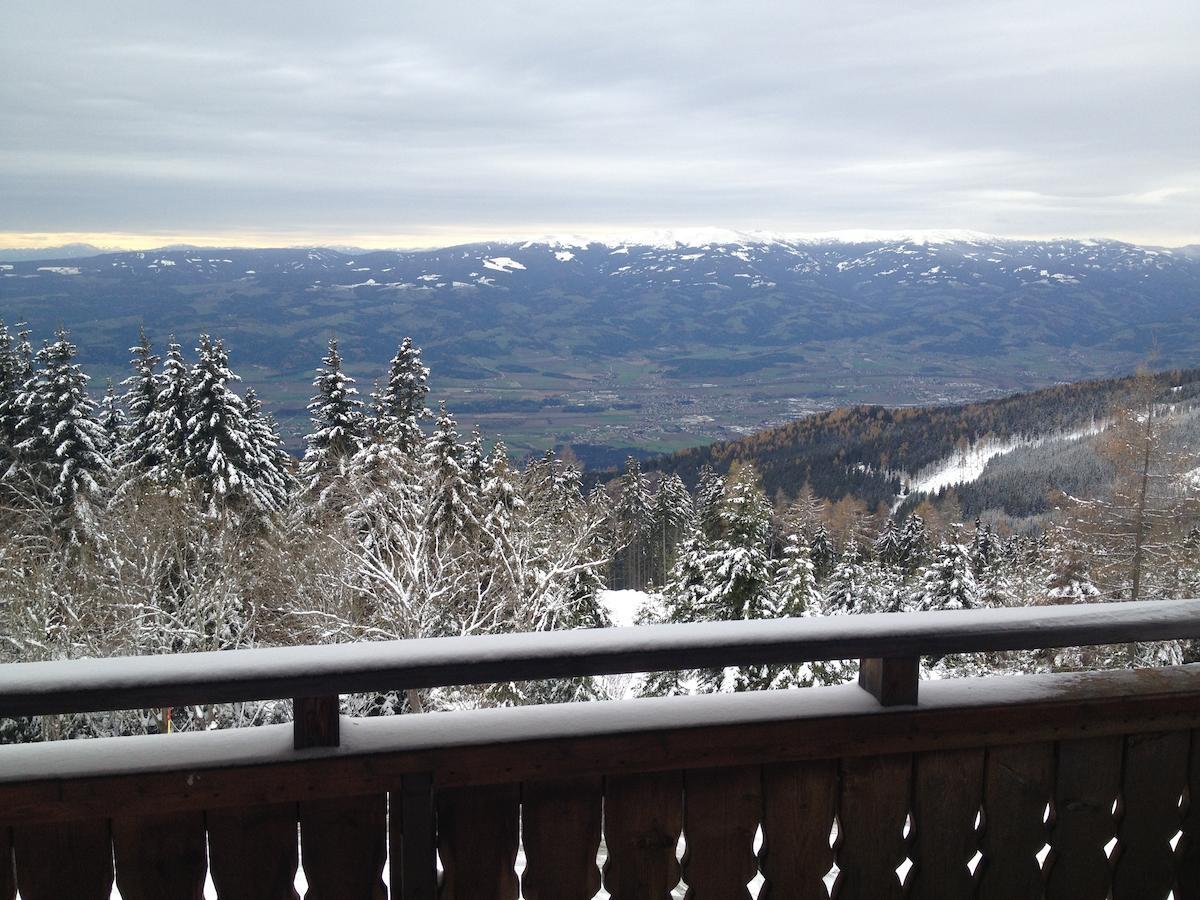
x=142 y=682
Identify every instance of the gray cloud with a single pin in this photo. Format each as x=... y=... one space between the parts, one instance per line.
x=329 y=122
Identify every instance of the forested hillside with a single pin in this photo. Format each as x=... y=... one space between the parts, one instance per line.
x=867 y=451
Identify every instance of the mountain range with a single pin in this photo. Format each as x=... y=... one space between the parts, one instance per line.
x=654 y=343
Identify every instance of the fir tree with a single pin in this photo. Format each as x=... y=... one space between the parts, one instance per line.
x=167 y=421
x=268 y=458
x=338 y=423
x=671 y=517
x=139 y=452
x=399 y=406
x=889 y=547
x=824 y=554
x=1068 y=580
x=848 y=589
x=634 y=524
x=795 y=580
x=221 y=460
x=452 y=503
x=914 y=543
x=62 y=443
x=708 y=497
x=947 y=582
x=14 y=372
x=112 y=419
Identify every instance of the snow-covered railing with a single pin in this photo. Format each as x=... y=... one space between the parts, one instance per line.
x=1059 y=786
x=147 y=682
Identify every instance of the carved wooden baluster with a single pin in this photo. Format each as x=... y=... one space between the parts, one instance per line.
x=947 y=795
x=160 y=857
x=252 y=852
x=873 y=808
x=1018 y=785
x=560 y=821
x=8 y=877
x=1087 y=781
x=1155 y=773
x=478 y=836
x=1187 y=853
x=799 y=805
x=343 y=845
x=722 y=809
x=643 y=818
x=68 y=860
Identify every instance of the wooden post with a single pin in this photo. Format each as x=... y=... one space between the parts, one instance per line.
x=316 y=722
x=413 y=833
x=891 y=680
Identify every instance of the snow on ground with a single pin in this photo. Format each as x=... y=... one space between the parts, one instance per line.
x=623 y=606
x=564 y=255
x=502 y=264
x=60 y=270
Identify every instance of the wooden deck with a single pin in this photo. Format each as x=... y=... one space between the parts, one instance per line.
x=1043 y=786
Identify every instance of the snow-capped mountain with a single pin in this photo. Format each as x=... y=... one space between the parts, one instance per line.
x=796 y=319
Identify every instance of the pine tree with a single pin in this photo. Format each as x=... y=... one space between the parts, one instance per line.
x=849 y=590
x=167 y=420
x=795 y=580
x=634 y=525
x=824 y=554
x=947 y=582
x=399 y=406
x=708 y=496
x=221 y=460
x=139 y=451
x=1068 y=580
x=889 y=547
x=914 y=542
x=112 y=419
x=671 y=517
x=452 y=502
x=62 y=444
x=338 y=422
x=13 y=375
x=268 y=458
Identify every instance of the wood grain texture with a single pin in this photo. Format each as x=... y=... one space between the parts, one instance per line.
x=160 y=857
x=252 y=852
x=8 y=877
x=316 y=722
x=1187 y=852
x=799 y=806
x=722 y=809
x=947 y=797
x=1087 y=781
x=1018 y=785
x=892 y=681
x=561 y=823
x=873 y=808
x=643 y=819
x=69 y=860
x=1013 y=710
x=1155 y=777
x=411 y=824
x=478 y=836
x=343 y=846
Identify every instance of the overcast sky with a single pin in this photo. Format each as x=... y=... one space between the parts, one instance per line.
x=390 y=124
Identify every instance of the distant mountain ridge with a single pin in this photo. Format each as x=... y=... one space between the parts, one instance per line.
x=688 y=337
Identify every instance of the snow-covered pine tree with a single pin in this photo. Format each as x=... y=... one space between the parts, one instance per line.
x=708 y=498
x=269 y=458
x=339 y=428
x=848 y=589
x=985 y=550
x=221 y=461
x=889 y=548
x=13 y=374
x=671 y=517
x=914 y=543
x=824 y=553
x=635 y=524
x=500 y=498
x=163 y=447
x=137 y=453
x=62 y=444
x=453 y=504
x=948 y=582
x=398 y=408
x=1068 y=580
x=112 y=419
x=795 y=580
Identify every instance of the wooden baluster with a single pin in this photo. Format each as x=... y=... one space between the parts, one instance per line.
x=1087 y=781
x=1187 y=853
x=478 y=836
x=643 y=818
x=1155 y=774
x=560 y=822
x=722 y=809
x=947 y=796
x=412 y=829
x=799 y=805
x=893 y=681
x=873 y=809
x=1018 y=785
x=8 y=877
x=64 y=860
x=343 y=847
x=252 y=852
x=160 y=857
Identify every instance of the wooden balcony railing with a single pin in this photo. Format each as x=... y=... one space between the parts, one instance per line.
x=1051 y=786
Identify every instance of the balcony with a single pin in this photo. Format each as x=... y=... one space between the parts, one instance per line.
x=1070 y=785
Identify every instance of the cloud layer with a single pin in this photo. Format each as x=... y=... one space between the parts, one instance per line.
x=395 y=123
